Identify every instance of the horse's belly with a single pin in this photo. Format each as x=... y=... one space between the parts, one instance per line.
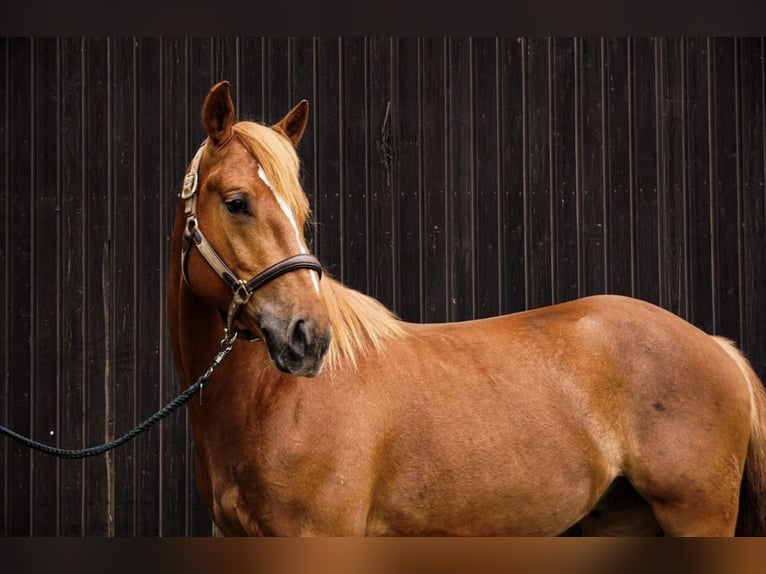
x=536 y=502
x=502 y=516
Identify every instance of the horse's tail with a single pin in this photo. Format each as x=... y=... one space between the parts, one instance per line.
x=752 y=498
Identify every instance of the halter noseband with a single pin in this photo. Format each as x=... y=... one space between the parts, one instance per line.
x=241 y=289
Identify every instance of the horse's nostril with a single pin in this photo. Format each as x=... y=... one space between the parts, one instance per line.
x=301 y=336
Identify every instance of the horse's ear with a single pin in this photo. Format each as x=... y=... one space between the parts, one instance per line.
x=218 y=113
x=294 y=123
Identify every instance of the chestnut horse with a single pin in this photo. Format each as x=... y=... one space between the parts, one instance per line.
x=607 y=413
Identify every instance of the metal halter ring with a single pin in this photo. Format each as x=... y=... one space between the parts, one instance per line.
x=191 y=223
x=241 y=292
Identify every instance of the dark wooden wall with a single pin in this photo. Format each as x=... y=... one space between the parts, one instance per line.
x=450 y=177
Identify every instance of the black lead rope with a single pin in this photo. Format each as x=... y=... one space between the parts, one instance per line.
x=226 y=346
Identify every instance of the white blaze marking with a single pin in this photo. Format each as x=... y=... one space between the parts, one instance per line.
x=289 y=213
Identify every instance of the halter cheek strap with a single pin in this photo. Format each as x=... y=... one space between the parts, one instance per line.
x=242 y=290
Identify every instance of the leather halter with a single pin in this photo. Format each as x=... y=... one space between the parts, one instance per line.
x=241 y=289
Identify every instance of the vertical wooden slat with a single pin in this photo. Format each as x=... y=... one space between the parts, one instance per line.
x=511 y=209
x=205 y=67
x=725 y=186
x=525 y=182
x=672 y=189
x=618 y=191
x=108 y=292
x=249 y=89
x=201 y=57
x=46 y=284
x=382 y=150
x=461 y=195
x=302 y=87
x=327 y=133
x=590 y=174
x=72 y=413
x=563 y=168
x=355 y=154
x=5 y=321
x=276 y=80
x=486 y=168
x=539 y=242
x=226 y=63
x=698 y=148
x=433 y=110
x=408 y=193
x=201 y=77
x=176 y=152
x=20 y=344
x=124 y=257
x=645 y=266
x=96 y=237
x=148 y=299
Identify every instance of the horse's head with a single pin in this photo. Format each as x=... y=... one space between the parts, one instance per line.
x=245 y=214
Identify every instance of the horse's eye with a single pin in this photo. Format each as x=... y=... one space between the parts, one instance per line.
x=237 y=205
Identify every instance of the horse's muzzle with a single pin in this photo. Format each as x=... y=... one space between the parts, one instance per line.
x=297 y=348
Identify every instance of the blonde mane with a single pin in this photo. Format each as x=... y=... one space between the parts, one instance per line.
x=276 y=155
x=359 y=322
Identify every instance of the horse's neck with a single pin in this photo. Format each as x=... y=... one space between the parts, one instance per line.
x=198 y=333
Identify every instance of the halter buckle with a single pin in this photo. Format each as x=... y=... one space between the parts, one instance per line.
x=190 y=184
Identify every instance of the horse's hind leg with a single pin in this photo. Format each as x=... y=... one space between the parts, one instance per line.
x=701 y=504
x=621 y=512
x=698 y=512
x=714 y=514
